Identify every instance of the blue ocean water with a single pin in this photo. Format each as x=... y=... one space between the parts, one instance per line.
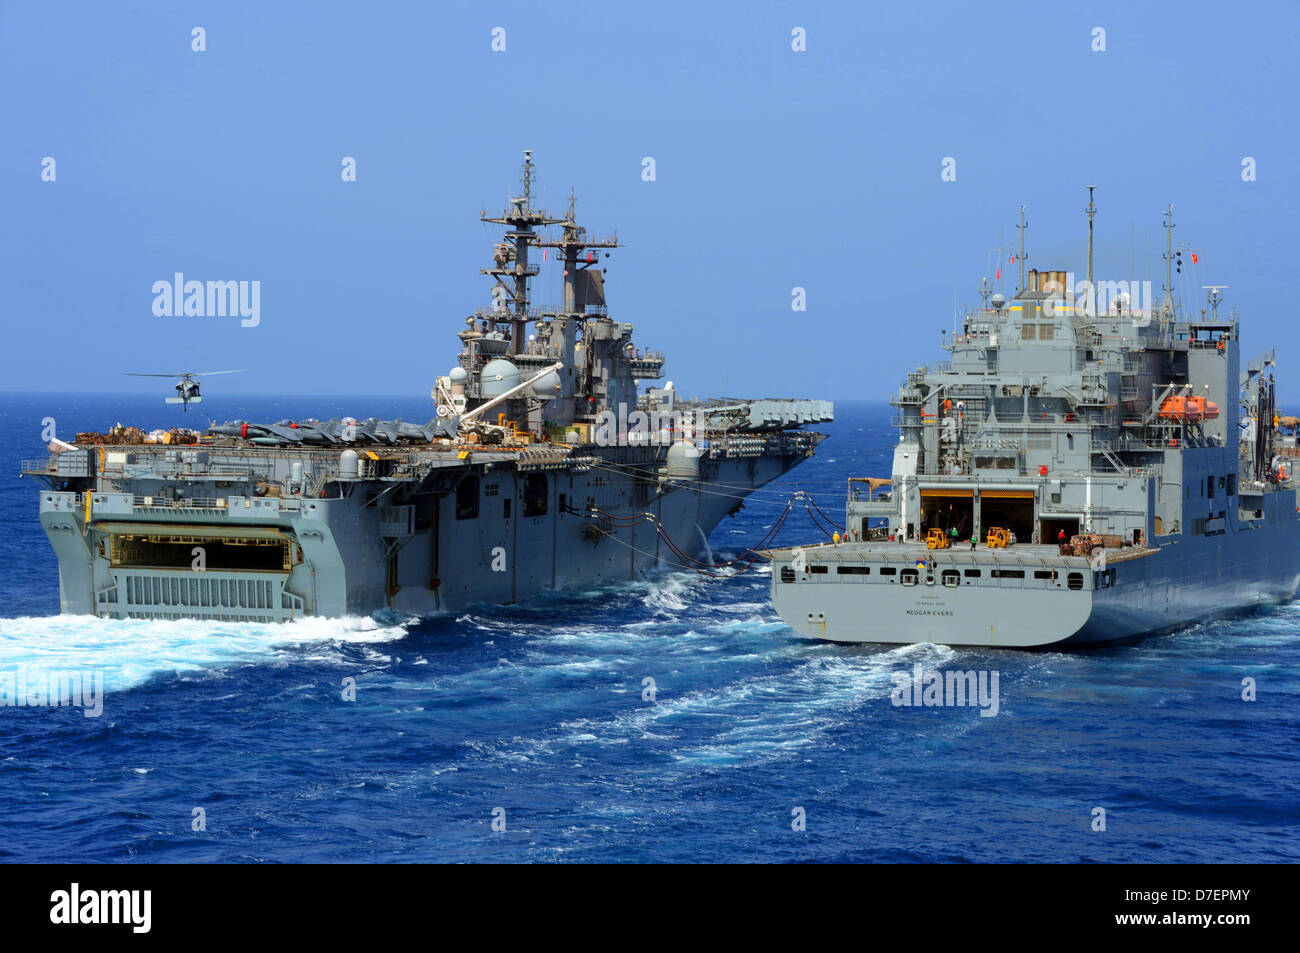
x=535 y=714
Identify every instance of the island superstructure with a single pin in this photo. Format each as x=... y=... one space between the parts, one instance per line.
x=543 y=468
x=1080 y=471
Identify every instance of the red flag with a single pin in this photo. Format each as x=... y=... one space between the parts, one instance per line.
x=1193 y=258
x=999 y=275
x=544 y=251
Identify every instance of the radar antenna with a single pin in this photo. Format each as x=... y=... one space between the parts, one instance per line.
x=1214 y=298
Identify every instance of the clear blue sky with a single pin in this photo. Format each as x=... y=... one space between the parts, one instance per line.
x=775 y=169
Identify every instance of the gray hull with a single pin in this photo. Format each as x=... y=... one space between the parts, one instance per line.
x=344 y=552
x=843 y=596
x=1200 y=578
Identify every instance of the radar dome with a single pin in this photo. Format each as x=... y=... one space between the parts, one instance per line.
x=998 y=302
x=498 y=377
x=458 y=375
x=546 y=387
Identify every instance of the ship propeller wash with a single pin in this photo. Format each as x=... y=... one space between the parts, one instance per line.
x=543 y=467
x=1079 y=472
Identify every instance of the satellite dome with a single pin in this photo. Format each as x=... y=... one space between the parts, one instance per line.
x=498 y=377
x=998 y=302
x=458 y=375
x=546 y=387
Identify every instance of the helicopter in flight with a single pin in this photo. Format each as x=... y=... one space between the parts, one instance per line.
x=187 y=388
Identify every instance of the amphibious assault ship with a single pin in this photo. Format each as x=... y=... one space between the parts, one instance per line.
x=543 y=468
x=1078 y=472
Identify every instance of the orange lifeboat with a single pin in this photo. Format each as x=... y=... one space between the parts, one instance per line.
x=1189 y=408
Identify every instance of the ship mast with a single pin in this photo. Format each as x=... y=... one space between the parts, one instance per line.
x=510 y=258
x=1021 y=257
x=1168 y=303
x=1091 y=210
x=573 y=241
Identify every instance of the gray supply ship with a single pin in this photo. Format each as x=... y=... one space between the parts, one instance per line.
x=542 y=469
x=1079 y=472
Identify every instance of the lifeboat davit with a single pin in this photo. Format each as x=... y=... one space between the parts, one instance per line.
x=1189 y=408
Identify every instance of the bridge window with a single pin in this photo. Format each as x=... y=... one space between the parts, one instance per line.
x=972 y=573
x=888 y=571
x=853 y=570
x=1008 y=574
